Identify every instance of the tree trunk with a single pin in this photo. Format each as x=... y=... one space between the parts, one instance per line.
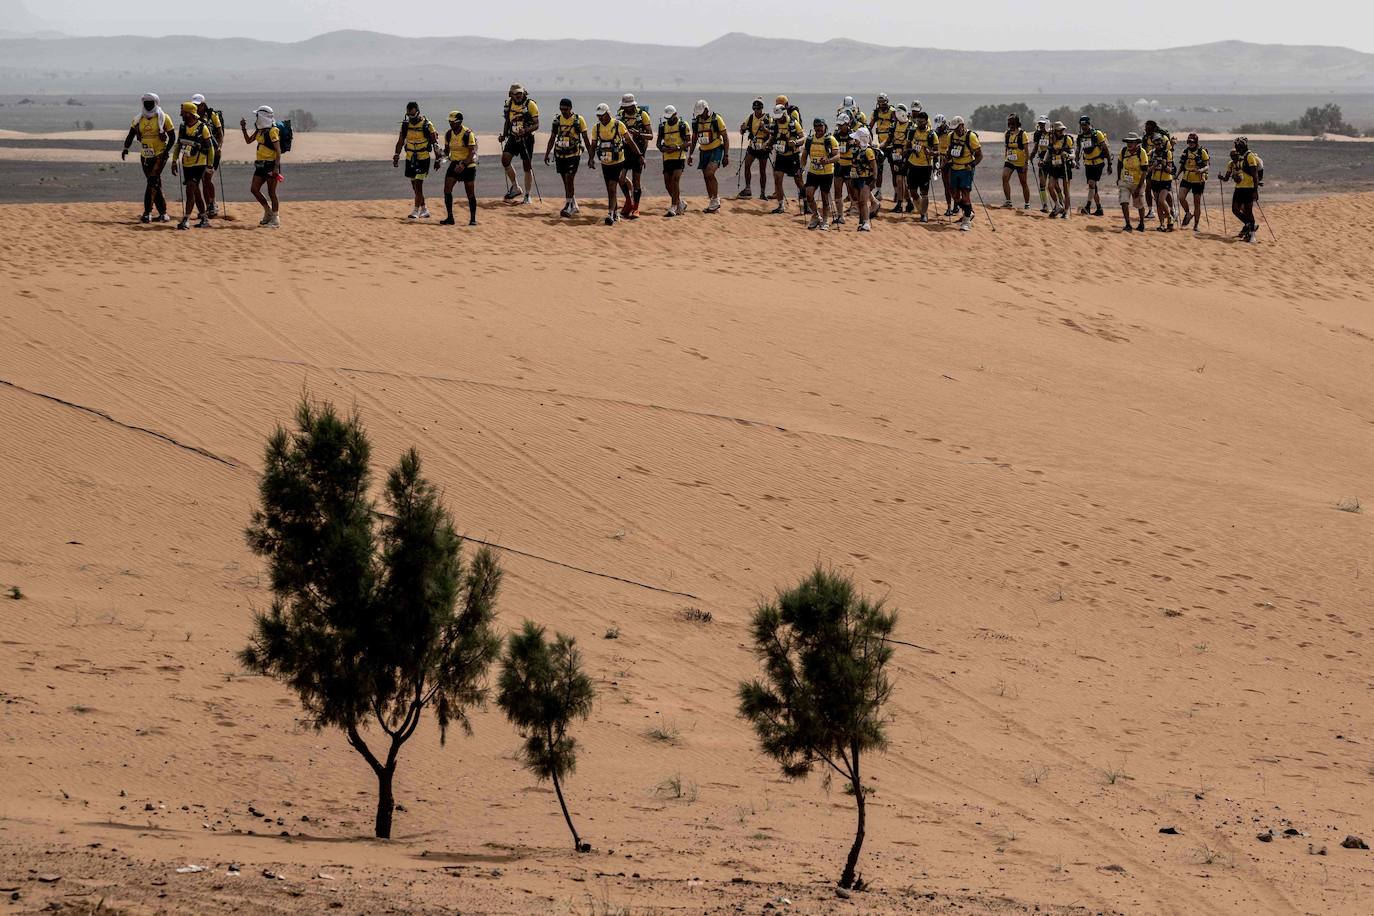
x=847 y=879
x=386 y=801
x=577 y=841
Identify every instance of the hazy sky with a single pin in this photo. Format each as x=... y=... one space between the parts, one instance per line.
x=985 y=25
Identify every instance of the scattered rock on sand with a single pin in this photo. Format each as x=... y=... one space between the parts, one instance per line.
x=1171 y=831
x=1265 y=837
x=1354 y=842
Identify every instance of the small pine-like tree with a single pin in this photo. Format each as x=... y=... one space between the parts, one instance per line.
x=824 y=650
x=374 y=617
x=542 y=689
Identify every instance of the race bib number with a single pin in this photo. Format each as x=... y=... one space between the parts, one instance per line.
x=956 y=150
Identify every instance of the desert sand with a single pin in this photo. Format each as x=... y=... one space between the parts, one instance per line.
x=1098 y=474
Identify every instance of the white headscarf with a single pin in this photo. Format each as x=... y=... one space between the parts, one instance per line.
x=157 y=107
x=263 y=117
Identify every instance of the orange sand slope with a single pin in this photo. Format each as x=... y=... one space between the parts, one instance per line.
x=1097 y=473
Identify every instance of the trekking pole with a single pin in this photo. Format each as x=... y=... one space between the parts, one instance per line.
x=1266 y=220
x=1205 y=214
x=224 y=201
x=535 y=175
x=740 y=167
x=986 y=211
x=1221 y=192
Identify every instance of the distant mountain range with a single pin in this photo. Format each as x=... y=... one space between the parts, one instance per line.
x=359 y=61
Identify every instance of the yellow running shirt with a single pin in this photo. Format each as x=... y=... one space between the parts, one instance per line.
x=675 y=138
x=1131 y=168
x=1017 y=144
x=266 y=136
x=567 y=135
x=818 y=148
x=609 y=140
x=149 y=134
x=711 y=132
x=961 y=150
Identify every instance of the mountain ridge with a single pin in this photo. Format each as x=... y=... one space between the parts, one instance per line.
x=358 y=59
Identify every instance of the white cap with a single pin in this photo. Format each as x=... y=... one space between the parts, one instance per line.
x=627 y=99
x=603 y=109
x=882 y=97
x=902 y=114
x=863 y=136
x=198 y=99
x=939 y=119
x=958 y=121
x=669 y=111
x=779 y=112
x=700 y=108
x=916 y=105
x=843 y=118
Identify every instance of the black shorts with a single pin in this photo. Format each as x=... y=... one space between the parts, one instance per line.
x=1196 y=187
x=1058 y=172
x=634 y=162
x=861 y=182
x=567 y=165
x=899 y=165
x=1243 y=196
x=1014 y=167
x=759 y=154
x=885 y=152
x=842 y=171
x=264 y=168
x=819 y=181
x=522 y=146
x=918 y=177
x=613 y=172
x=417 y=169
x=458 y=172
x=674 y=165
x=787 y=163
x=193 y=174
x=1093 y=170
x=1156 y=186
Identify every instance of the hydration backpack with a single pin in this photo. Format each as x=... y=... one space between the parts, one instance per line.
x=285 y=135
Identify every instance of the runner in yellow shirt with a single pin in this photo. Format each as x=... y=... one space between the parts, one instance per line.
x=942 y=141
x=963 y=153
x=419 y=140
x=1132 y=165
x=820 y=152
x=755 y=136
x=1059 y=168
x=567 y=139
x=611 y=141
x=194 y=154
x=674 y=140
x=1247 y=171
x=460 y=149
x=1017 y=162
x=882 y=125
x=519 y=122
x=922 y=156
x=267 y=162
x=1193 y=164
x=711 y=147
x=641 y=127
x=1095 y=156
x=154 y=130
x=786 y=140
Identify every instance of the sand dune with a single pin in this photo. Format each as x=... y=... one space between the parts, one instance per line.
x=1098 y=474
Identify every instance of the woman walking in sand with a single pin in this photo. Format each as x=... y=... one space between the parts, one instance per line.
x=267 y=164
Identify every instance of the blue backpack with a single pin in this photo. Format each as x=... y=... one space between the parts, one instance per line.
x=285 y=135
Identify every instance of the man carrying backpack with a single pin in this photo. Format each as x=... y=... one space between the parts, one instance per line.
x=215 y=121
x=194 y=153
x=460 y=149
x=674 y=140
x=567 y=139
x=1095 y=157
x=754 y=135
x=419 y=140
x=711 y=147
x=519 y=121
x=1247 y=171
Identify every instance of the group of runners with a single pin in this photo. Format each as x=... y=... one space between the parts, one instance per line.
x=194 y=149
x=837 y=171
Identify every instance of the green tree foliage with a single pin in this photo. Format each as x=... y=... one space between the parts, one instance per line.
x=994 y=117
x=824 y=651
x=1117 y=120
x=1327 y=119
x=374 y=617
x=302 y=121
x=1316 y=121
x=542 y=689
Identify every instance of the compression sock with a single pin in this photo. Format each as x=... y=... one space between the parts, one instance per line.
x=472 y=208
x=448 y=203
